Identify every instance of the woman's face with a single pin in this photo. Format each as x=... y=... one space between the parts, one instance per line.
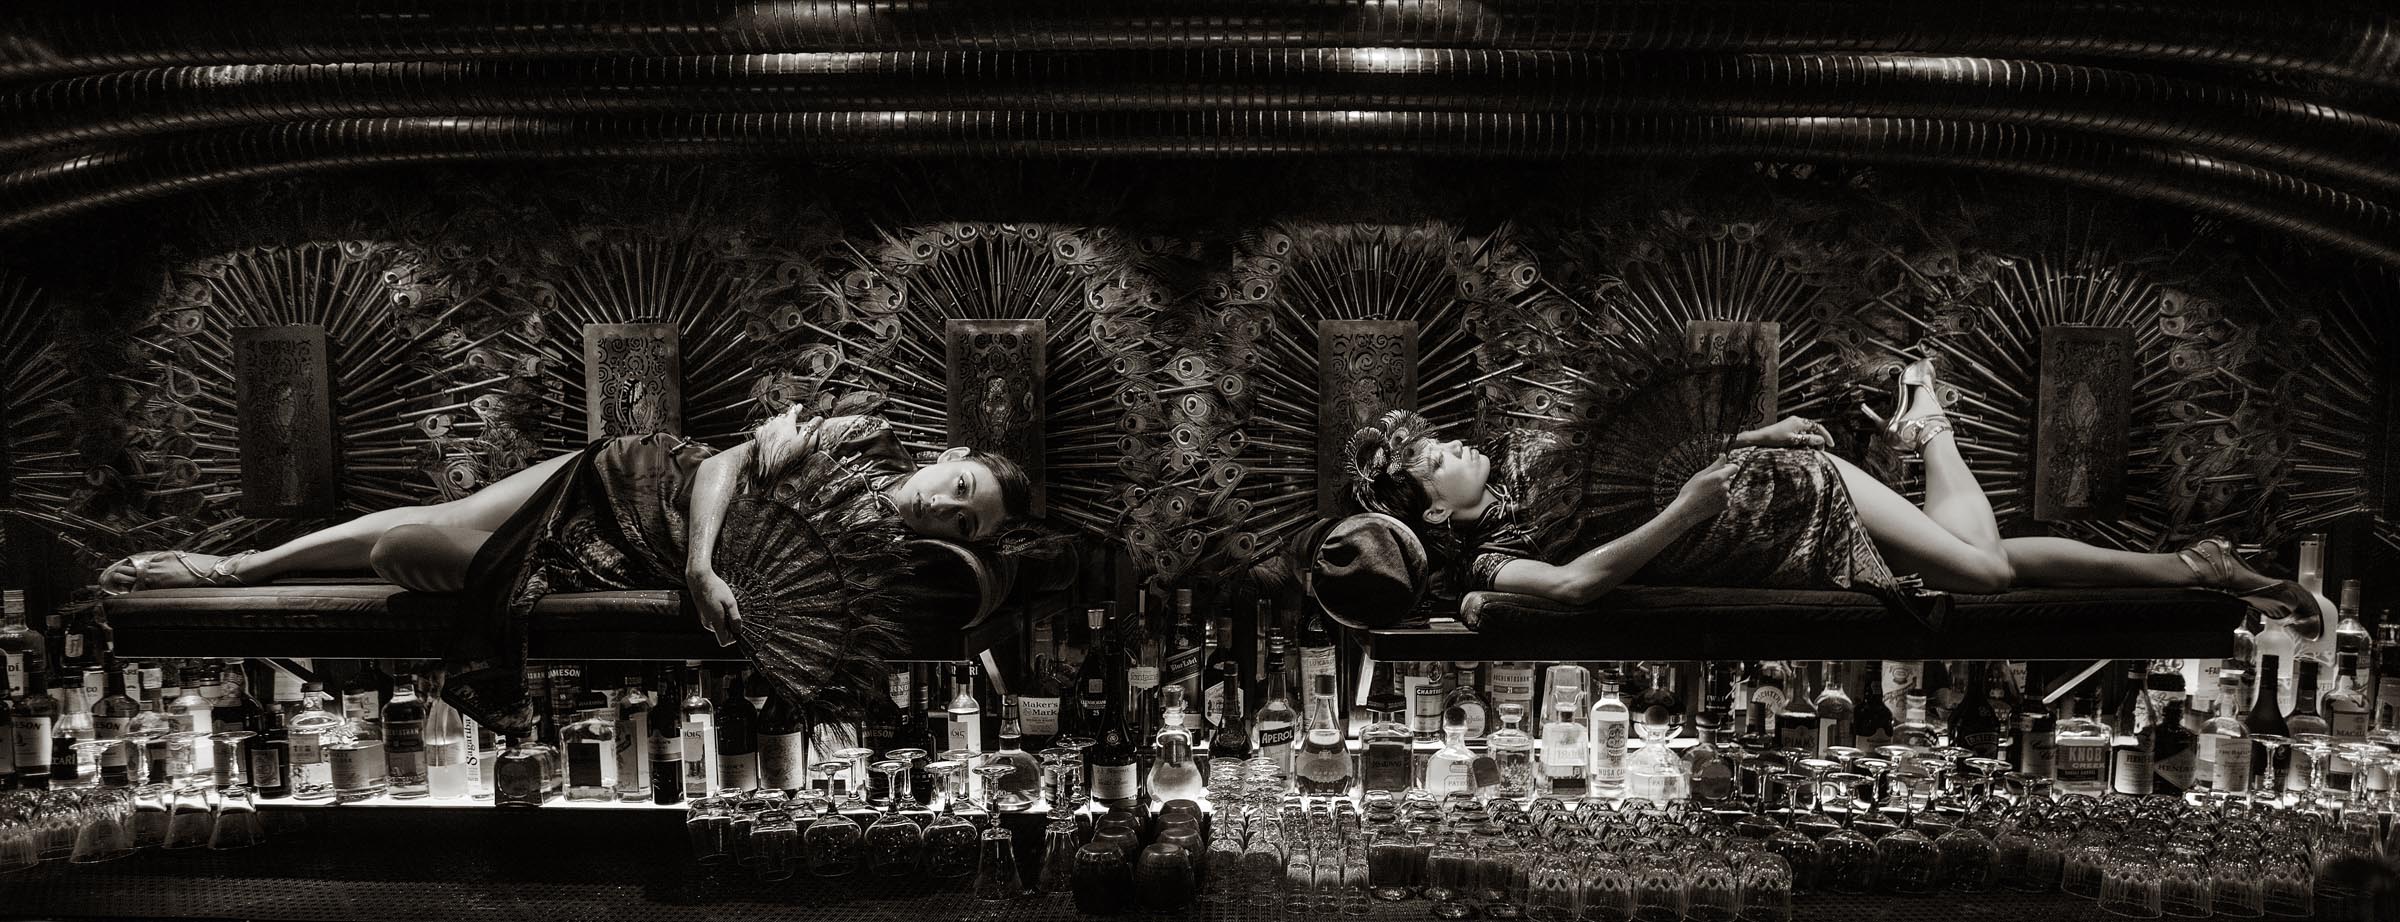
x=952 y=498
x=1453 y=475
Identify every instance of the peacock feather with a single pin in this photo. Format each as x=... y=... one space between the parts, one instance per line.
x=42 y=474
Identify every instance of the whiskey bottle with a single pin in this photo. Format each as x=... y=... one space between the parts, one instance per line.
x=1277 y=724
x=591 y=745
x=1322 y=766
x=1038 y=707
x=2081 y=744
x=36 y=718
x=1974 y=725
x=1870 y=718
x=665 y=745
x=1566 y=747
x=2035 y=748
x=1509 y=683
x=1469 y=699
x=1387 y=756
x=782 y=746
x=1186 y=650
x=112 y=719
x=1422 y=684
x=633 y=739
x=404 y=741
x=2132 y=751
x=26 y=652
x=2224 y=745
x=1221 y=677
x=2174 y=756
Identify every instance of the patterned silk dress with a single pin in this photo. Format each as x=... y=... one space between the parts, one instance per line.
x=613 y=518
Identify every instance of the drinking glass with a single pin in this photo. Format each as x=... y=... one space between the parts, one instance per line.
x=2186 y=884
x=2288 y=883
x=1966 y=861
x=192 y=817
x=894 y=842
x=1262 y=867
x=230 y=748
x=236 y=824
x=150 y=805
x=1659 y=889
x=1162 y=878
x=1766 y=883
x=1713 y=890
x=996 y=876
x=1080 y=784
x=2085 y=865
x=707 y=822
x=950 y=840
x=2266 y=781
x=19 y=848
x=2238 y=893
x=832 y=842
x=1451 y=874
x=854 y=760
x=1103 y=878
x=2129 y=884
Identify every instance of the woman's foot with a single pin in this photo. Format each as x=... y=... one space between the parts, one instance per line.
x=1918 y=418
x=2218 y=566
x=171 y=570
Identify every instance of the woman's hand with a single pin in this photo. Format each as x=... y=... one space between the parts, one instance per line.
x=1792 y=432
x=714 y=600
x=1705 y=495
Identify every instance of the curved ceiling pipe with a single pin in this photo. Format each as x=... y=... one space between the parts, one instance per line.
x=67 y=186
x=2215 y=119
x=48 y=38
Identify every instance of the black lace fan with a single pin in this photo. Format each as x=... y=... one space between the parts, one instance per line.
x=813 y=563
x=1640 y=422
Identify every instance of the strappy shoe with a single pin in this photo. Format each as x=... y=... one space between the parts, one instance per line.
x=223 y=573
x=1901 y=433
x=2220 y=567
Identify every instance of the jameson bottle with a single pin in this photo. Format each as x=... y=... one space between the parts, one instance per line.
x=1974 y=725
x=35 y=719
x=633 y=739
x=1277 y=723
x=112 y=719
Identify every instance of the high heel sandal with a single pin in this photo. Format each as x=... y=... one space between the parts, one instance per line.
x=2220 y=567
x=218 y=575
x=1902 y=434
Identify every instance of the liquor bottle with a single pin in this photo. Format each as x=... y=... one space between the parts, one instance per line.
x=1231 y=737
x=1835 y=708
x=896 y=721
x=87 y=642
x=446 y=743
x=1452 y=767
x=8 y=745
x=2265 y=724
x=1973 y=723
x=1021 y=788
x=1611 y=722
x=1871 y=719
x=2346 y=705
x=1508 y=683
x=1186 y=650
x=1422 y=684
x=1114 y=782
x=1796 y=725
x=1144 y=653
x=2314 y=631
x=2175 y=751
x=1578 y=684
x=1038 y=706
x=700 y=771
x=1277 y=724
x=966 y=713
x=1092 y=690
x=268 y=755
x=25 y=651
x=1317 y=656
x=1322 y=766
x=2304 y=720
x=74 y=723
x=782 y=747
x=1566 y=746
x=112 y=719
x=1176 y=776
x=1387 y=752
x=1712 y=777
x=1916 y=730
x=591 y=745
x=1512 y=752
x=1465 y=696
x=1768 y=698
x=483 y=757
x=2387 y=680
x=2224 y=746
x=737 y=740
x=2035 y=749
x=633 y=738
x=564 y=684
x=1220 y=677
x=2081 y=747
x=520 y=776
x=404 y=740
x=2353 y=647
x=2132 y=753
x=35 y=720
x=363 y=697
x=665 y=745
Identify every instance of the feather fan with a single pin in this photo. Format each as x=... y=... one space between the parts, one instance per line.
x=813 y=563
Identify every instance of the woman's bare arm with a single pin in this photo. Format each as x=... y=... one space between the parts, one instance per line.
x=1583 y=580
x=712 y=488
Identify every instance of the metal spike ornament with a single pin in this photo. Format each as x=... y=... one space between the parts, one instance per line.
x=43 y=479
x=2315 y=386
x=878 y=333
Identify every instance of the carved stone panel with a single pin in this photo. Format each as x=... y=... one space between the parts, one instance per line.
x=998 y=390
x=285 y=407
x=2084 y=402
x=1364 y=367
x=1728 y=342
x=633 y=379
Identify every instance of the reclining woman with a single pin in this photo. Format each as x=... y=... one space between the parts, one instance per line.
x=634 y=512
x=1777 y=510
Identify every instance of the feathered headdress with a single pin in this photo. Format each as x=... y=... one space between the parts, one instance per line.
x=813 y=561
x=1380 y=458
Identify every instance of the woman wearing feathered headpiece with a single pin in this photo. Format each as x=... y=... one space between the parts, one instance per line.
x=787 y=543
x=1764 y=507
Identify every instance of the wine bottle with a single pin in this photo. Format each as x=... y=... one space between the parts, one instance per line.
x=782 y=746
x=665 y=744
x=737 y=740
x=1222 y=677
x=2132 y=752
x=1115 y=775
x=700 y=760
x=1871 y=719
x=1973 y=723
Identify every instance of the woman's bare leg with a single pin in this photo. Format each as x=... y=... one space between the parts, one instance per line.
x=1953 y=499
x=1914 y=543
x=350 y=545
x=2068 y=562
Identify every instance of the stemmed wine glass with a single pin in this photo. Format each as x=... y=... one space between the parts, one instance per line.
x=1081 y=793
x=894 y=841
x=1060 y=836
x=996 y=876
x=1909 y=862
x=950 y=840
x=853 y=759
x=2265 y=777
x=904 y=790
x=1849 y=854
x=832 y=841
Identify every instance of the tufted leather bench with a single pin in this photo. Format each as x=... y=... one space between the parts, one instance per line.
x=1684 y=622
x=954 y=593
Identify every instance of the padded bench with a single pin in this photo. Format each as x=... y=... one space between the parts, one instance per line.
x=1691 y=623
x=954 y=594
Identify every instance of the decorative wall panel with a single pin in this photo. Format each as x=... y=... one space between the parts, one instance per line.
x=632 y=379
x=1758 y=345
x=999 y=377
x=1364 y=368
x=2084 y=386
x=284 y=405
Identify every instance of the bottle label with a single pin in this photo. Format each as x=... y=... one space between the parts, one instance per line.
x=1424 y=704
x=632 y=761
x=666 y=749
x=1277 y=735
x=1986 y=745
x=1314 y=662
x=1511 y=683
x=1113 y=782
x=16 y=675
x=74 y=646
x=782 y=760
x=362 y=705
x=266 y=768
x=33 y=741
x=1143 y=677
x=404 y=736
x=1039 y=716
x=8 y=750
x=2041 y=753
x=2081 y=764
x=592 y=764
x=1900 y=676
x=966 y=731
x=446 y=753
x=1212 y=705
x=737 y=772
x=307 y=748
x=2347 y=720
x=405 y=763
x=2176 y=772
x=2133 y=771
x=2387 y=699
x=1608 y=757
x=350 y=771
x=1770 y=698
x=2228 y=764
x=699 y=744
